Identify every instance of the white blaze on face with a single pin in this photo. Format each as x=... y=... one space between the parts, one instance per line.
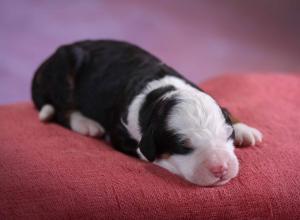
x=212 y=166
x=199 y=120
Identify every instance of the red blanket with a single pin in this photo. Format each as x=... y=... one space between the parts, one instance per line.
x=47 y=171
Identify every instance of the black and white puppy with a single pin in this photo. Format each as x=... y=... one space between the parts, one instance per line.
x=145 y=107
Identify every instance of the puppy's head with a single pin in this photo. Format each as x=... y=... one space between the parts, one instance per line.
x=187 y=133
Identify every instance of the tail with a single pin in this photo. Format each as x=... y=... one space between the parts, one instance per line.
x=41 y=101
x=46 y=113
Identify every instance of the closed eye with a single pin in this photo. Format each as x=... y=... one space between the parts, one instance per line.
x=182 y=150
x=187 y=150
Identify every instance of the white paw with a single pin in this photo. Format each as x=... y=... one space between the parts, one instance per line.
x=84 y=125
x=245 y=135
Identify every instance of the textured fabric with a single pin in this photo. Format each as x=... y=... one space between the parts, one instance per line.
x=47 y=171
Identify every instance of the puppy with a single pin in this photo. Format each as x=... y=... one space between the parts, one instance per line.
x=146 y=108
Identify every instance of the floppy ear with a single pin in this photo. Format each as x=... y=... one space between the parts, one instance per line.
x=147 y=145
x=150 y=115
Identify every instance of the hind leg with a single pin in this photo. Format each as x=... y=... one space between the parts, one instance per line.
x=74 y=120
x=53 y=91
x=85 y=125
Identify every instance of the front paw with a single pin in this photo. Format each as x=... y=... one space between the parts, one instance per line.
x=245 y=135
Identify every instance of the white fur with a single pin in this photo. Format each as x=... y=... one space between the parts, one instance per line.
x=246 y=135
x=135 y=106
x=199 y=119
x=195 y=167
x=84 y=125
x=46 y=112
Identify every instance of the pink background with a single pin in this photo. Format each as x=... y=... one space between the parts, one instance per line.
x=200 y=39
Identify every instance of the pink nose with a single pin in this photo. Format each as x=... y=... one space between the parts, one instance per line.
x=218 y=170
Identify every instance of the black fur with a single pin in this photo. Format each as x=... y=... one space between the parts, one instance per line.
x=100 y=79
x=227 y=117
